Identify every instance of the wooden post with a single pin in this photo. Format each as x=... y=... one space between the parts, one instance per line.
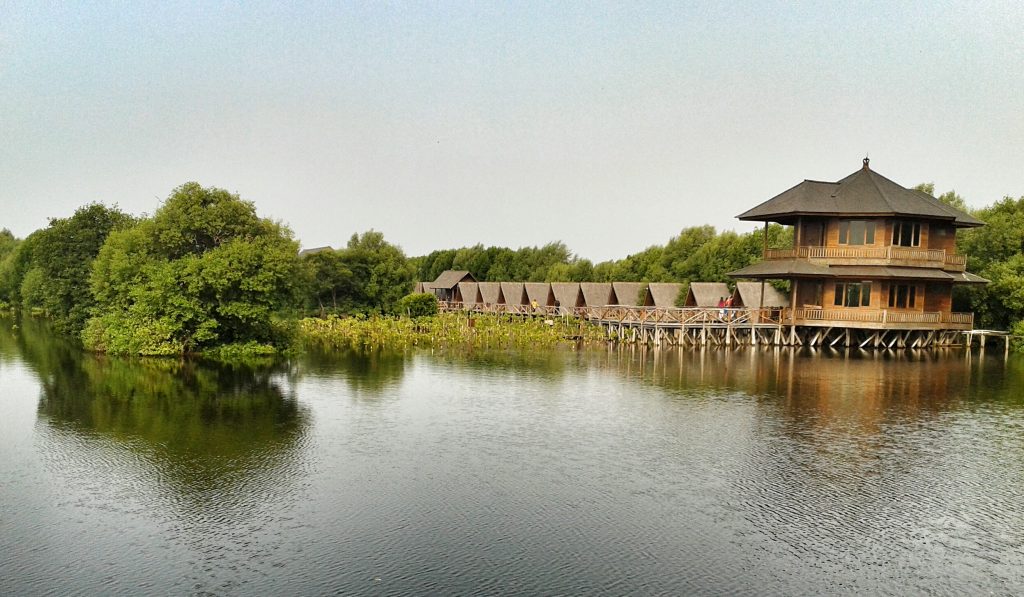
x=764 y=255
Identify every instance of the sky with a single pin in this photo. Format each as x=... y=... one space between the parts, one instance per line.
x=607 y=126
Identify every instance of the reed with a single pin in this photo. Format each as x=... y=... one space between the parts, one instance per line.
x=448 y=330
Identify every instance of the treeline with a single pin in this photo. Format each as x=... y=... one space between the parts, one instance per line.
x=697 y=254
x=205 y=273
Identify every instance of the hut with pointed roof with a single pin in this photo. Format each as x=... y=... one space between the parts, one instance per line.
x=663 y=295
x=540 y=293
x=628 y=293
x=567 y=297
x=514 y=293
x=490 y=293
x=868 y=253
x=597 y=294
x=748 y=294
x=469 y=293
x=706 y=294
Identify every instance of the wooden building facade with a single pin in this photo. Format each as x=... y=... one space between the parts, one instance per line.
x=867 y=254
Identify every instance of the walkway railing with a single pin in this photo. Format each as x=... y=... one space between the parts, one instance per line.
x=883 y=316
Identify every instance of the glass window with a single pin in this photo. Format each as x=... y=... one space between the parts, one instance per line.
x=906 y=234
x=853 y=294
x=903 y=296
x=856 y=232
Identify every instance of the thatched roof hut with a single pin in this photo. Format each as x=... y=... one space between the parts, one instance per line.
x=490 y=292
x=446 y=286
x=627 y=293
x=541 y=293
x=470 y=293
x=662 y=294
x=568 y=296
x=706 y=294
x=748 y=294
x=597 y=294
x=513 y=293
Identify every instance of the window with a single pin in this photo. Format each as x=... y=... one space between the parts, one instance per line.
x=902 y=296
x=906 y=234
x=853 y=294
x=856 y=232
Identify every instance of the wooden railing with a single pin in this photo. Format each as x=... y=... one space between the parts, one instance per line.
x=714 y=316
x=884 y=316
x=937 y=257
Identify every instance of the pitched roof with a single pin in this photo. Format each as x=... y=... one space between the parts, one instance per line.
x=627 y=293
x=663 y=294
x=566 y=293
x=540 y=292
x=707 y=294
x=863 y=193
x=419 y=288
x=749 y=294
x=797 y=268
x=469 y=293
x=781 y=268
x=596 y=294
x=513 y=293
x=489 y=292
x=450 y=278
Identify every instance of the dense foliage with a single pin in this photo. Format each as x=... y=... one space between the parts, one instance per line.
x=697 y=253
x=205 y=271
x=417 y=305
x=49 y=271
x=368 y=276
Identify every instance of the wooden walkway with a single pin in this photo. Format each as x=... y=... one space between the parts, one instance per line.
x=704 y=326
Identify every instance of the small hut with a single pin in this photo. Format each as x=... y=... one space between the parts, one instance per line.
x=514 y=293
x=540 y=292
x=597 y=294
x=706 y=294
x=627 y=293
x=567 y=296
x=748 y=294
x=490 y=293
x=469 y=292
x=446 y=286
x=662 y=294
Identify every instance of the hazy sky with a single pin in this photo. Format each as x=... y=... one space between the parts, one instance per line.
x=609 y=126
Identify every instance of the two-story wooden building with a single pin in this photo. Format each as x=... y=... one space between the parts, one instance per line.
x=869 y=256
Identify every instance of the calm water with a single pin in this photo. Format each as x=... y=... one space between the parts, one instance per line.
x=748 y=472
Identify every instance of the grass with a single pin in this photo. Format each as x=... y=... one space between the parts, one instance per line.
x=448 y=330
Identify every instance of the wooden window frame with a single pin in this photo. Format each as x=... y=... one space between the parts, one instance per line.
x=903 y=296
x=849 y=228
x=899 y=228
x=844 y=290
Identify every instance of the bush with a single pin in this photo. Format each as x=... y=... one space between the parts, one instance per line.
x=417 y=305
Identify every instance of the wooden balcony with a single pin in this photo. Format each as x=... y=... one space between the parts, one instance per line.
x=883 y=319
x=890 y=255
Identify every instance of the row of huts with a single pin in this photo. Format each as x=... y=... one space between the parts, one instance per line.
x=460 y=287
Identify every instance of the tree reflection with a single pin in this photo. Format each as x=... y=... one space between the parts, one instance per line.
x=202 y=424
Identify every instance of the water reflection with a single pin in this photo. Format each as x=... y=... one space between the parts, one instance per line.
x=200 y=425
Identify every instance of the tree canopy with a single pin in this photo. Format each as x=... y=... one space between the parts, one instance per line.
x=204 y=271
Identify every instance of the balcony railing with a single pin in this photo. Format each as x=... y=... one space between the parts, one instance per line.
x=936 y=257
x=885 y=316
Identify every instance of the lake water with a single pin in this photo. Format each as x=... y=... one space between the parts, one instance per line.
x=595 y=472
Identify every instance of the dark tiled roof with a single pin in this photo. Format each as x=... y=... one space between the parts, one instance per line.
x=797 y=268
x=863 y=193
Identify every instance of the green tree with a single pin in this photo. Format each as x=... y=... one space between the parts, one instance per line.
x=380 y=273
x=204 y=272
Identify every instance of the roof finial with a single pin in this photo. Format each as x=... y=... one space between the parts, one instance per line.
x=866 y=161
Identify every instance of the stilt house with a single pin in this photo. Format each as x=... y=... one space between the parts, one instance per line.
x=868 y=253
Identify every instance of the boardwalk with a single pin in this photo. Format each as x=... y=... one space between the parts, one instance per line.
x=716 y=326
